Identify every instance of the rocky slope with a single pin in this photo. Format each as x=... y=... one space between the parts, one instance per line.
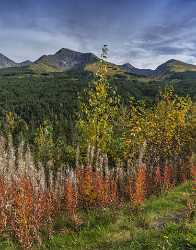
x=5 y=62
x=66 y=59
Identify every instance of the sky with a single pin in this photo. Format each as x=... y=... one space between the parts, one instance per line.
x=144 y=33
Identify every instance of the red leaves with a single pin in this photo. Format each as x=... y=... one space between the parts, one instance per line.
x=22 y=214
x=158 y=177
x=95 y=189
x=168 y=180
x=3 y=205
x=140 y=186
x=25 y=210
x=70 y=198
x=193 y=174
x=26 y=206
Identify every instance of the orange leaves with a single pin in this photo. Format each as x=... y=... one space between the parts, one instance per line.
x=140 y=186
x=95 y=189
x=3 y=205
x=102 y=187
x=158 y=177
x=87 y=195
x=70 y=198
x=113 y=191
x=22 y=215
x=193 y=174
x=26 y=207
x=168 y=181
x=158 y=180
x=25 y=210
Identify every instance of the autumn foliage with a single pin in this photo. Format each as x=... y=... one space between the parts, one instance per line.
x=27 y=206
x=119 y=154
x=140 y=186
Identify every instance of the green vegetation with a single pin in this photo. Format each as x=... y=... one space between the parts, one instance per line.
x=34 y=93
x=125 y=120
x=167 y=222
x=80 y=153
x=160 y=223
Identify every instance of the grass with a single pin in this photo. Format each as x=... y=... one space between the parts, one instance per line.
x=124 y=228
x=155 y=225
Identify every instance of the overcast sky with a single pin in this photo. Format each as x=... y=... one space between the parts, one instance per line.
x=145 y=33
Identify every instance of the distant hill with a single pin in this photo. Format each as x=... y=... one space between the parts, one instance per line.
x=164 y=70
x=5 y=62
x=25 y=63
x=141 y=72
x=174 y=66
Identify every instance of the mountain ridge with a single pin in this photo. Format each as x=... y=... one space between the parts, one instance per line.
x=131 y=69
x=67 y=59
x=163 y=69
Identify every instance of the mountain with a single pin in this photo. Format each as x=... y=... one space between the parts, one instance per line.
x=66 y=59
x=62 y=60
x=164 y=70
x=174 y=66
x=5 y=62
x=141 y=72
x=25 y=63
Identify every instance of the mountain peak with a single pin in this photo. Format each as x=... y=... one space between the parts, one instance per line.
x=128 y=65
x=174 y=66
x=174 y=61
x=66 y=59
x=65 y=50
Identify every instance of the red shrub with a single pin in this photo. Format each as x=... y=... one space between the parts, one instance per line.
x=193 y=172
x=22 y=214
x=3 y=205
x=88 y=195
x=168 y=177
x=113 y=191
x=140 y=186
x=158 y=177
x=70 y=198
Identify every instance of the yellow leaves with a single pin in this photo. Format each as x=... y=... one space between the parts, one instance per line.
x=44 y=142
x=10 y=119
x=98 y=113
x=164 y=127
x=101 y=90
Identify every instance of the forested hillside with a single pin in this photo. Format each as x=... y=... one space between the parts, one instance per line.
x=35 y=96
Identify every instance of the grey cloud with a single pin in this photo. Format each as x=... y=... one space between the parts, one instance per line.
x=136 y=32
